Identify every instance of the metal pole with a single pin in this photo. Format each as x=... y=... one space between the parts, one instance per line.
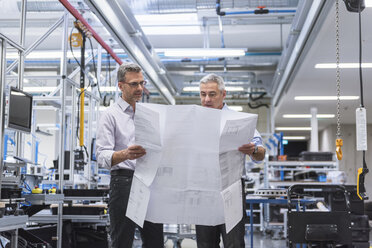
x=33 y=138
x=90 y=119
x=2 y=104
x=63 y=71
x=19 y=135
x=116 y=91
x=99 y=64
x=97 y=118
x=73 y=133
x=314 y=144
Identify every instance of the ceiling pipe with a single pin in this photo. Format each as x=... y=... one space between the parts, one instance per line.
x=315 y=16
x=258 y=11
x=187 y=6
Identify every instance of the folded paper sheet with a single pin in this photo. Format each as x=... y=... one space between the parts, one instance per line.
x=192 y=168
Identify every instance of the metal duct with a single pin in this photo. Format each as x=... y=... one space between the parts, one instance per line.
x=183 y=6
x=298 y=22
x=120 y=22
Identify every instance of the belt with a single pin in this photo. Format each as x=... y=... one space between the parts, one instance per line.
x=122 y=172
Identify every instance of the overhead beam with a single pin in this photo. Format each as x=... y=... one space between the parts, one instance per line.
x=120 y=22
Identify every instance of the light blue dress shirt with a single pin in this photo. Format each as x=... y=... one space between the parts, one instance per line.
x=115 y=132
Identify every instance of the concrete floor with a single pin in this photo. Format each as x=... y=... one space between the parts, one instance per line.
x=259 y=241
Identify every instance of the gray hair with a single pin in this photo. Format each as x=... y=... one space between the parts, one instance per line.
x=213 y=78
x=127 y=67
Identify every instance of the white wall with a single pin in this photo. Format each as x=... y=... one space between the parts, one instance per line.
x=352 y=159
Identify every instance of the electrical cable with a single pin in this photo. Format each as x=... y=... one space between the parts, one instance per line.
x=72 y=51
x=360 y=73
x=360 y=58
x=256 y=98
x=78 y=103
x=257 y=106
x=94 y=67
x=109 y=68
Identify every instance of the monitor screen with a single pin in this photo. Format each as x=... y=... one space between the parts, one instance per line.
x=20 y=110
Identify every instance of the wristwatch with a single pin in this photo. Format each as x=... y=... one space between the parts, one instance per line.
x=255 y=150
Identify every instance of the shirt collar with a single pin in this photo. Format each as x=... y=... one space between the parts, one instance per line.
x=124 y=105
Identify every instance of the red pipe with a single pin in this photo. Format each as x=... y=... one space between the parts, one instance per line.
x=77 y=15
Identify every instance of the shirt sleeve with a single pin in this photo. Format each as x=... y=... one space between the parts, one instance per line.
x=257 y=140
x=105 y=142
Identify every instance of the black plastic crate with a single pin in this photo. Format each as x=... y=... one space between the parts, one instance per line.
x=80 y=210
x=316 y=156
x=11 y=193
x=86 y=192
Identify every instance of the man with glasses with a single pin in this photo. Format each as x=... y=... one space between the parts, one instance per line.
x=212 y=95
x=116 y=150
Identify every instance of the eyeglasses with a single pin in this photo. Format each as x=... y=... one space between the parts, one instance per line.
x=136 y=84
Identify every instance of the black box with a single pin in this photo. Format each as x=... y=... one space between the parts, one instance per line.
x=316 y=156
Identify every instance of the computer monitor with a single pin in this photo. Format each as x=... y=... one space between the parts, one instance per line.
x=20 y=110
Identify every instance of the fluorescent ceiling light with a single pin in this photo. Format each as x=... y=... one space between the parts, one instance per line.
x=167 y=19
x=39 y=89
x=171 y=30
x=108 y=88
x=294 y=137
x=197 y=89
x=204 y=52
x=321 y=98
x=46 y=55
x=50 y=89
x=236 y=108
x=368 y=3
x=293 y=128
x=342 y=65
x=305 y=116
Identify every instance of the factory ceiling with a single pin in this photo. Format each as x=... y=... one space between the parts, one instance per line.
x=276 y=45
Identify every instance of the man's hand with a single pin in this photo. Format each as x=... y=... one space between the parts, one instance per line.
x=247 y=149
x=134 y=152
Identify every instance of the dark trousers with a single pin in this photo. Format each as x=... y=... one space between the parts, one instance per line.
x=121 y=227
x=209 y=236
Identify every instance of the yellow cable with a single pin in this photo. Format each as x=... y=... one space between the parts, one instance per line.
x=81 y=138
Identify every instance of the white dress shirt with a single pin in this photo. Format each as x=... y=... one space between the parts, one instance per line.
x=115 y=132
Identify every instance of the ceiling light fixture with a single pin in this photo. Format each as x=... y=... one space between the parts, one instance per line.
x=196 y=88
x=167 y=19
x=46 y=55
x=50 y=89
x=39 y=89
x=204 y=52
x=294 y=137
x=171 y=30
x=293 y=128
x=342 y=65
x=236 y=108
x=324 y=98
x=307 y=116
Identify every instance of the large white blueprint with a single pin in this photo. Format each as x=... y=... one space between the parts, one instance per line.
x=192 y=168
